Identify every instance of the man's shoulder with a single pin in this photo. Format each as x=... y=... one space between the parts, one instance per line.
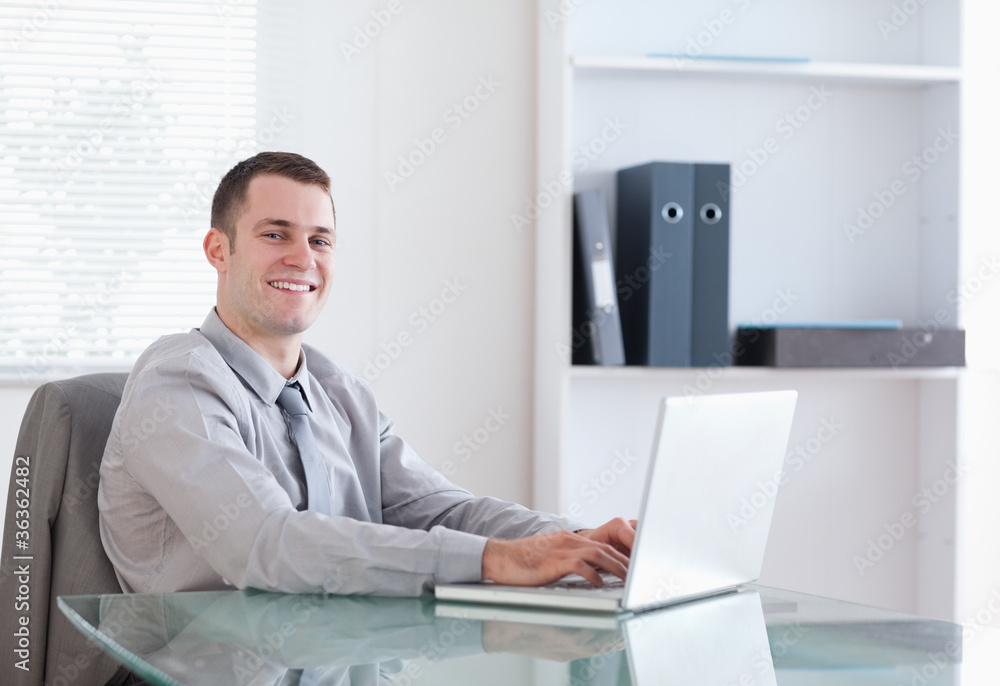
x=334 y=376
x=173 y=377
x=179 y=355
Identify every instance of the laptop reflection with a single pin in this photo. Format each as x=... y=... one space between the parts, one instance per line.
x=716 y=640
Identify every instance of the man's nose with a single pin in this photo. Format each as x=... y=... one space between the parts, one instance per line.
x=300 y=254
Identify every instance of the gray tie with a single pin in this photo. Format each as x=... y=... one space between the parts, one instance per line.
x=317 y=480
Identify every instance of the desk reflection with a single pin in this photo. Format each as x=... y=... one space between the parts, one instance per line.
x=250 y=637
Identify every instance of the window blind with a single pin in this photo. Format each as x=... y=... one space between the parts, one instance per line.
x=117 y=120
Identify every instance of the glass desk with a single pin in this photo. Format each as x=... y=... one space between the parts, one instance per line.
x=757 y=637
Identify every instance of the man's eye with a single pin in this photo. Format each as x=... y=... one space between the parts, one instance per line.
x=322 y=242
x=272 y=235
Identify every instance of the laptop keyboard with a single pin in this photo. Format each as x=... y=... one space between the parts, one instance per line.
x=575 y=583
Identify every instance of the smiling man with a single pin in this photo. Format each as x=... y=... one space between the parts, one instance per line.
x=273 y=467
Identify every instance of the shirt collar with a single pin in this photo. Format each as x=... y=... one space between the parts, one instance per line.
x=256 y=372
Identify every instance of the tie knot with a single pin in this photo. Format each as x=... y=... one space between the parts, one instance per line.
x=291 y=401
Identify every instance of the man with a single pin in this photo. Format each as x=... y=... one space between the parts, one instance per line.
x=210 y=479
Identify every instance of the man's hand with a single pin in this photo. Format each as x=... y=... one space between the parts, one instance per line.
x=544 y=558
x=618 y=533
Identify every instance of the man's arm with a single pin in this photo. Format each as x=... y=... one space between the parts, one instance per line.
x=526 y=547
x=416 y=495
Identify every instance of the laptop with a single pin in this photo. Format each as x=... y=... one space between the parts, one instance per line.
x=705 y=515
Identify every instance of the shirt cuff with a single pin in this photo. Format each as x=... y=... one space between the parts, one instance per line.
x=563 y=523
x=461 y=558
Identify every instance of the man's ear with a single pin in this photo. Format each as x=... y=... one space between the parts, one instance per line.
x=216 y=245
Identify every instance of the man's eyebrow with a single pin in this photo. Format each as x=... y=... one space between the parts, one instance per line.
x=284 y=223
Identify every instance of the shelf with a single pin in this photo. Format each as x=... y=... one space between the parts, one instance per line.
x=897 y=100
x=835 y=72
x=762 y=373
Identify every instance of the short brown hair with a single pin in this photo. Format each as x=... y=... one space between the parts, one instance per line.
x=230 y=199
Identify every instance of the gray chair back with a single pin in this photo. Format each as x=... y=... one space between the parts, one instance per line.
x=51 y=542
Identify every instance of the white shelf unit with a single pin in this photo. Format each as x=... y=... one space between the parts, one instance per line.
x=810 y=142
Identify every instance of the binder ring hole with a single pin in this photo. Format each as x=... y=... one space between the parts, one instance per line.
x=672 y=212
x=711 y=213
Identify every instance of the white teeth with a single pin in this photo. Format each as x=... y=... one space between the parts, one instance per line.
x=289 y=286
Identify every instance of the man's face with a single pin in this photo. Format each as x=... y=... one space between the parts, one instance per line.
x=273 y=286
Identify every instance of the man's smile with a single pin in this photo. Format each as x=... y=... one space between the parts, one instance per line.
x=289 y=286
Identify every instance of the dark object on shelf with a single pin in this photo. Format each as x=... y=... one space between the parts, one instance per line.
x=849 y=347
x=673 y=263
x=655 y=247
x=710 y=275
x=597 y=329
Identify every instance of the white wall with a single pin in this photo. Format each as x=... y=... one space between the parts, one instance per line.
x=444 y=228
x=979 y=508
x=448 y=222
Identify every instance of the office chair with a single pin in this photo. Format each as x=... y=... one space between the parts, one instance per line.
x=53 y=547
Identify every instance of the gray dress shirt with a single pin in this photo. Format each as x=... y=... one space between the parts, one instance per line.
x=202 y=487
